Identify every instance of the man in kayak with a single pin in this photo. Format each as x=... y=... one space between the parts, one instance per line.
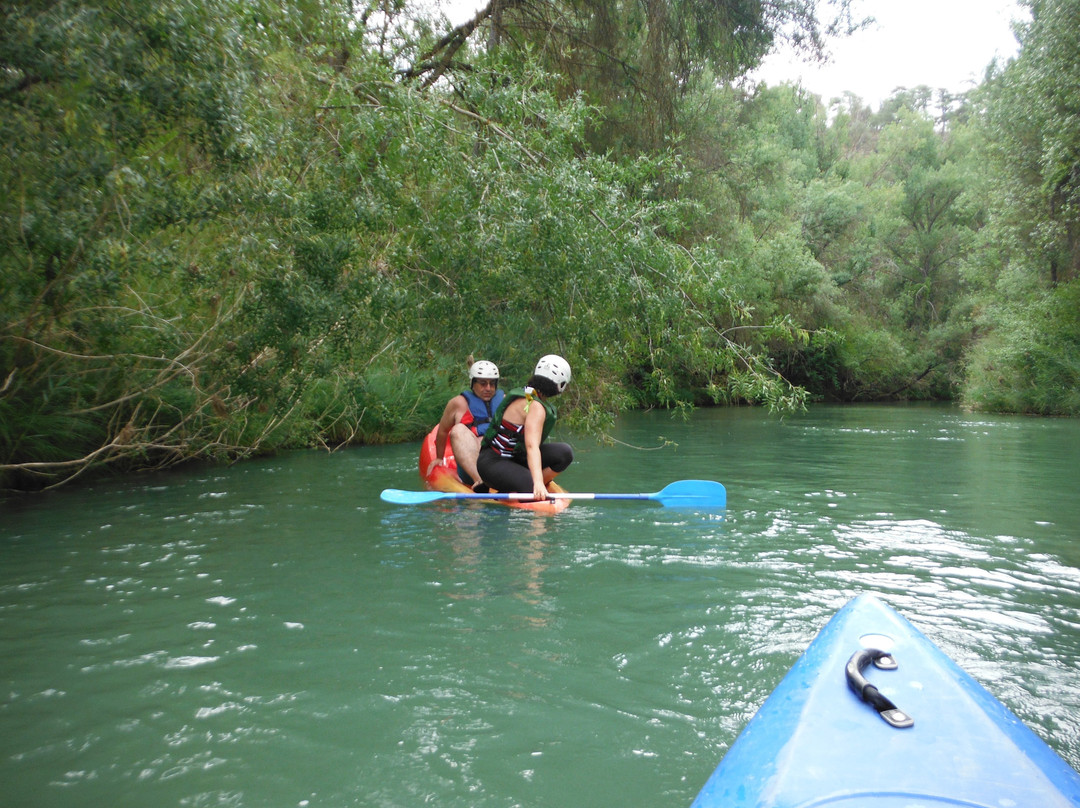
x=465 y=420
x=514 y=454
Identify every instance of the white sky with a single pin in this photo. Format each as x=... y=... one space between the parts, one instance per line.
x=939 y=43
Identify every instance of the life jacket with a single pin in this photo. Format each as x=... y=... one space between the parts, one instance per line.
x=507 y=438
x=479 y=414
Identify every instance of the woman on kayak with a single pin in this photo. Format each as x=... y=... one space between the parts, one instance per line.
x=514 y=455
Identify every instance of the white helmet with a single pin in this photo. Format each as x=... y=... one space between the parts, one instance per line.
x=555 y=368
x=483 y=370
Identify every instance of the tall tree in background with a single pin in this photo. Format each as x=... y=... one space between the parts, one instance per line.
x=932 y=229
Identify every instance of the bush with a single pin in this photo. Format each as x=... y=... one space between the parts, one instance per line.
x=1031 y=361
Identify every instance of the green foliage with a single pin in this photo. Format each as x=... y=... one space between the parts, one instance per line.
x=1025 y=282
x=262 y=246
x=107 y=120
x=1030 y=362
x=1033 y=142
x=637 y=62
x=236 y=226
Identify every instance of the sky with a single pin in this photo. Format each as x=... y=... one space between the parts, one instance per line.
x=939 y=43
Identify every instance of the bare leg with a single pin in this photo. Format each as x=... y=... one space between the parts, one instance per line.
x=466 y=448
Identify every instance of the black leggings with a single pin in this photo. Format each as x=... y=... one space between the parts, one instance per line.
x=508 y=474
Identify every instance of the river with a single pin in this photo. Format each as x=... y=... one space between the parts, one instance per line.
x=272 y=634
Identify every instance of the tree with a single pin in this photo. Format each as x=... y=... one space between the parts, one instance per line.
x=108 y=121
x=636 y=61
x=1031 y=109
x=1028 y=352
x=232 y=229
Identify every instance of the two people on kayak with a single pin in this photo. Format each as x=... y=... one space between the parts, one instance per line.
x=508 y=450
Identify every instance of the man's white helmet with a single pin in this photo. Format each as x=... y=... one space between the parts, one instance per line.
x=483 y=370
x=554 y=367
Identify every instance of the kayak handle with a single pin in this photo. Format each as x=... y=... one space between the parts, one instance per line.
x=894 y=716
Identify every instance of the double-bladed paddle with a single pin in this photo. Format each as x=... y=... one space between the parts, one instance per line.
x=681 y=494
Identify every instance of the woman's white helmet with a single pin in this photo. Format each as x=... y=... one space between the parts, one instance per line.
x=554 y=367
x=483 y=370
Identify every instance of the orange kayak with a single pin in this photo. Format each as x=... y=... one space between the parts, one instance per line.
x=445 y=478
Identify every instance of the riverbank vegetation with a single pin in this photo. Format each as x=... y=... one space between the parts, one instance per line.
x=235 y=226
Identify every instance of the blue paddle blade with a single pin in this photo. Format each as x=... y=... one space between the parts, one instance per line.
x=399 y=497
x=692 y=494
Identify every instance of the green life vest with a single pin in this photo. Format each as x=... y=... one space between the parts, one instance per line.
x=496 y=429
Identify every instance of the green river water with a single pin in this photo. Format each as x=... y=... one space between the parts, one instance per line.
x=272 y=634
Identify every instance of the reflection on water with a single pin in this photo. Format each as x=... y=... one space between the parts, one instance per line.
x=273 y=634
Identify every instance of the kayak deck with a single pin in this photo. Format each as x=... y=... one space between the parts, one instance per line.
x=445 y=478
x=814 y=742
